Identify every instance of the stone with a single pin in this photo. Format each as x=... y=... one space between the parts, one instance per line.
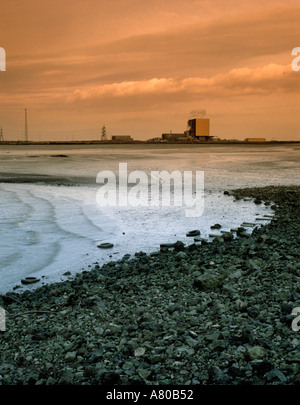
x=95 y=357
x=209 y=281
x=216 y=226
x=276 y=374
x=70 y=356
x=51 y=381
x=143 y=373
x=181 y=255
x=193 y=233
x=256 y=352
x=218 y=376
x=66 y=378
x=140 y=351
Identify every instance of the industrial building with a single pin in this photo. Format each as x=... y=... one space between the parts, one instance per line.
x=122 y=138
x=255 y=140
x=199 y=128
x=172 y=137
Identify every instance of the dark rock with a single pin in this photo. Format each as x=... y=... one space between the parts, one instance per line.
x=235 y=371
x=260 y=367
x=227 y=236
x=181 y=256
x=216 y=226
x=218 y=376
x=95 y=357
x=105 y=246
x=276 y=375
x=67 y=378
x=166 y=245
x=89 y=371
x=193 y=233
x=208 y=281
x=286 y=308
x=178 y=246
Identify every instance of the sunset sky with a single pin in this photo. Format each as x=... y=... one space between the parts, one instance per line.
x=145 y=67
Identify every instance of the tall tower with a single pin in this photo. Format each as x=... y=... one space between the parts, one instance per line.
x=103 y=136
x=26 y=127
x=1 y=134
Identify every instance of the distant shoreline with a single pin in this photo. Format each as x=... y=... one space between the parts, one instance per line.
x=29 y=143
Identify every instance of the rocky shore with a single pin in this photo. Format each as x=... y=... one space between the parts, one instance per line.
x=208 y=313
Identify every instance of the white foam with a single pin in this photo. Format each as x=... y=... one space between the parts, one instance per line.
x=53 y=229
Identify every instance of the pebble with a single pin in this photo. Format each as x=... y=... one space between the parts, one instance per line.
x=140 y=351
x=70 y=356
x=193 y=233
x=216 y=226
x=256 y=352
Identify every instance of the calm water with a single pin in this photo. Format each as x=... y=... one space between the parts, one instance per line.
x=50 y=222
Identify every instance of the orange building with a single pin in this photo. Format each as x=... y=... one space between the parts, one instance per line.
x=255 y=140
x=199 y=128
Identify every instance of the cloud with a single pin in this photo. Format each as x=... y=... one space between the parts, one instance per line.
x=197 y=50
x=156 y=93
x=267 y=79
x=127 y=59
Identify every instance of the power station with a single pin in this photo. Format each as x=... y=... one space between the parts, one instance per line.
x=198 y=129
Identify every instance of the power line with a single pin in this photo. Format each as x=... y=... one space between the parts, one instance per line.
x=103 y=136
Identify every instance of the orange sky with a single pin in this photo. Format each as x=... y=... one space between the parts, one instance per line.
x=144 y=67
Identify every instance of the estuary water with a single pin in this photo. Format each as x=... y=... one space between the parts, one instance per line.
x=51 y=221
